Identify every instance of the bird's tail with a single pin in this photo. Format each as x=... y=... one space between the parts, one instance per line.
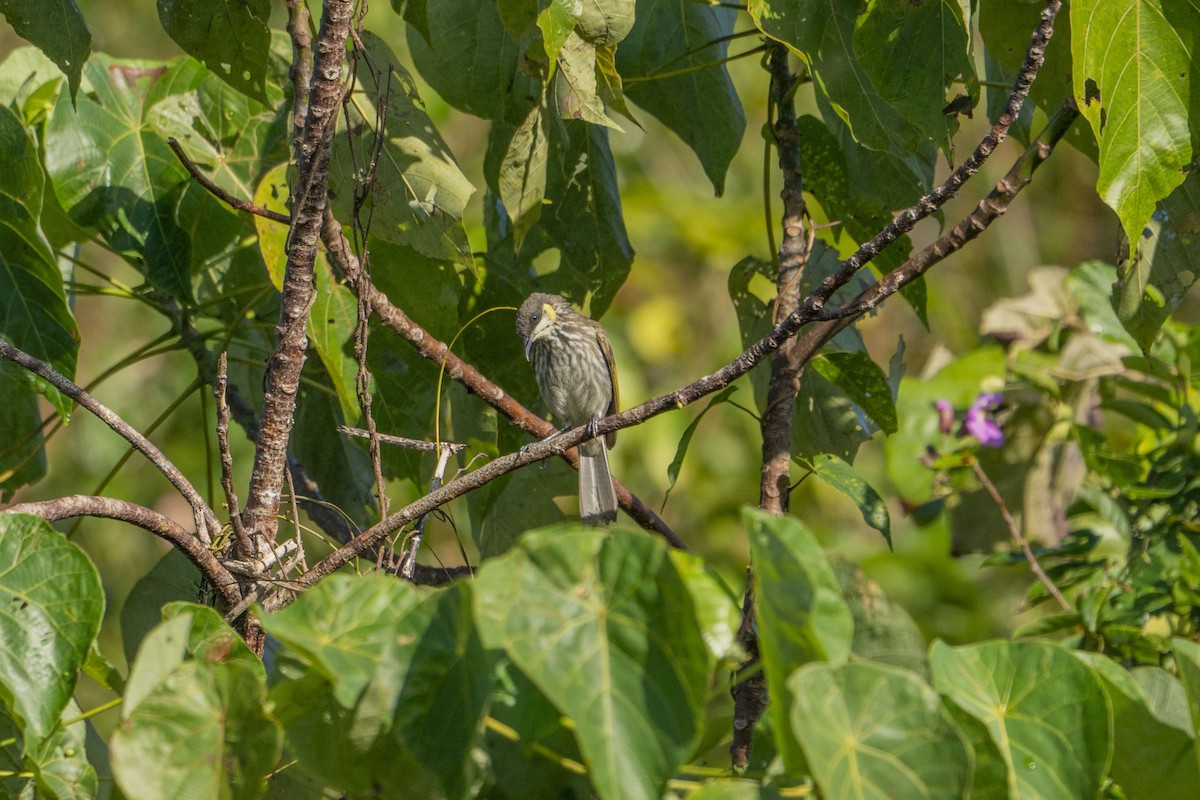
x=597 y=497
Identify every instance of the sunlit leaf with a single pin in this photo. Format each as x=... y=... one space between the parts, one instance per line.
x=1042 y=707
x=53 y=606
x=800 y=613
x=1132 y=62
x=599 y=621
x=871 y=731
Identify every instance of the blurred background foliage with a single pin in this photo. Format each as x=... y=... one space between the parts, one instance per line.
x=671 y=322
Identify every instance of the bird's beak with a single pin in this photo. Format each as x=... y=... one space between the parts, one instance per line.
x=549 y=315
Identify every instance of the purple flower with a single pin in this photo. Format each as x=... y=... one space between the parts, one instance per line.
x=945 y=416
x=979 y=421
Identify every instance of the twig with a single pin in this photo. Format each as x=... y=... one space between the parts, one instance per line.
x=235 y=518
x=168 y=530
x=206 y=520
x=905 y=221
x=1034 y=566
x=218 y=192
x=409 y=560
x=423 y=445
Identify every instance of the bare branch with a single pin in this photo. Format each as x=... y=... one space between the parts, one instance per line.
x=206 y=520
x=282 y=377
x=218 y=192
x=931 y=202
x=235 y=519
x=423 y=445
x=79 y=505
x=409 y=561
x=475 y=382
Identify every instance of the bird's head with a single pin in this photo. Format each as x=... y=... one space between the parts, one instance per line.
x=537 y=317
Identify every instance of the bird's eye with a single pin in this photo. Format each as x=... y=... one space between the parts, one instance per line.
x=533 y=317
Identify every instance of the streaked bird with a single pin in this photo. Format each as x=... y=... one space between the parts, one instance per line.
x=573 y=362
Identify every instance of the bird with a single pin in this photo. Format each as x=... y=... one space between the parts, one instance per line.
x=577 y=377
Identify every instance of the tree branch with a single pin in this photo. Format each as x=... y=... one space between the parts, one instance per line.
x=282 y=377
x=218 y=192
x=206 y=521
x=80 y=505
x=904 y=222
x=475 y=382
x=750 y=689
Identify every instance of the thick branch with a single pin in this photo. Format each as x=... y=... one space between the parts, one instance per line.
x=750 y=690
x=776 y=422
x=282 y=377
x=79 y=505
x=206 y=520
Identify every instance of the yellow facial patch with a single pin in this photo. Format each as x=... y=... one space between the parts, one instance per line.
x=548 y=310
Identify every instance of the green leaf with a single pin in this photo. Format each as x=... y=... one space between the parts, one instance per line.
x=466 y=32
x=188 y=632
x=843 y=477
x=531 y=495
x=885 y=38
x=871 y=731
x=231 y=38
x=799 y=609
x=575 y=86
x=686 y=439
x=57 y=28
x=605 y=22
x=519 y=706
x=1006 y=28
x=204 y=731
x=1187 y=660
x=1132 y=63
x=603 y=624
x=57 y=766
x=410 y=692
x=53 y=606
x=822 y=34
x=671 y=65
x=521 y=179
x=419 y=192
x=863 y=381
x=173 y=578
x=101 y=670
x=1163 y=268
x=1154 y=754
x=718 y=609
x=557 y=23
x=112 y=172
x=1043 y=708
x=33 y=308
x=883 y=631
x=341 y=626
x=728 y=789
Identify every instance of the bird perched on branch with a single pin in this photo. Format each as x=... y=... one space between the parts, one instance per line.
x=573 y=362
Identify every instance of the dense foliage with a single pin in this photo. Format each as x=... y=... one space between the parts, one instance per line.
x=379 y=201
